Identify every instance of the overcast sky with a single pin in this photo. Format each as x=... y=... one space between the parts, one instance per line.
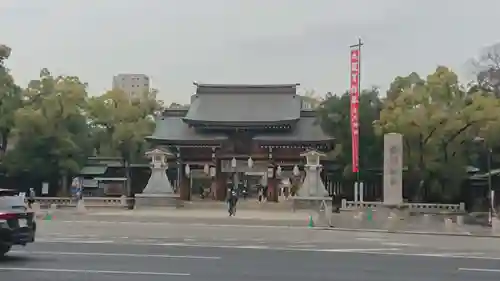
x=176 y=42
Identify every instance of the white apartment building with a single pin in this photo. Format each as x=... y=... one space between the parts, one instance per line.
x=132 y=84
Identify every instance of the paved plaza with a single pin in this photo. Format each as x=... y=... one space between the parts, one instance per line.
x=351 y=220
x=105 y=251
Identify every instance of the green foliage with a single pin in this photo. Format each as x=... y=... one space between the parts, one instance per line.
x=52 y=136
x=4 y=54
x=10 y=101
x=334 y=114
x=438 y=119
x=119 y=125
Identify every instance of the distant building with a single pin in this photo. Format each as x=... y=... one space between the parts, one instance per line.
x=132 y=84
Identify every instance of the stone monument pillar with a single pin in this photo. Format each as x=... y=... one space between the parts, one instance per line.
x=393 y=169
x=313 y=185
x=158 y=192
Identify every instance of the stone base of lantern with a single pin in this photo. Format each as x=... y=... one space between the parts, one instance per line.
x=148 y=201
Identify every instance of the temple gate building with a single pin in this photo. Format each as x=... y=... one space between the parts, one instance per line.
x=238 y=134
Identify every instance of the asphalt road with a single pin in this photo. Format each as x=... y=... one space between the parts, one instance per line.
x=111 y=261
x=248 y=235
x=92 y=250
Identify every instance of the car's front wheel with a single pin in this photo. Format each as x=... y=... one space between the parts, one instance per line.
x=4 y=249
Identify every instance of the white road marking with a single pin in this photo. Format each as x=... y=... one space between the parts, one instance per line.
x=358 y=250
x=116 y=255
x=88 y=271
x=396 y=244
x=74 y=241
x=479 y=269
x=434 y=255
x=303 y=246
x=370 y=239
x=143 y=240
x=70 y=235
x=289 y=248
x=256 y=247
x=208 y=245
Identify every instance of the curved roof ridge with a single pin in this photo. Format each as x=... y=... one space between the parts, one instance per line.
x=246 y=85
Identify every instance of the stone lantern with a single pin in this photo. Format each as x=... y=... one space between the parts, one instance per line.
x=313 y=185
x=158 y=192
x=158 y=181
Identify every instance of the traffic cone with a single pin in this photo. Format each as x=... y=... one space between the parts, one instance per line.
x=369 y=215
x=311 y=222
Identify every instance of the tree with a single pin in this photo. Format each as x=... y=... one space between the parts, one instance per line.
x=438 y=119
x=312 y=99
x=334 y=115
x=10 y=100
x=487 y=69
x=119 y=125
x=176 y=105
x=400 y=83
x=51 y=129
x=4 y=54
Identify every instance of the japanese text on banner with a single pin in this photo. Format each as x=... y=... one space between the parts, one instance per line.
x=354 y=92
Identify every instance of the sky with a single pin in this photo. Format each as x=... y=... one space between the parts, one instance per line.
x=177 y=42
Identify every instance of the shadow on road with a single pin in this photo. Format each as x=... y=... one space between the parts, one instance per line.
x=21 y=259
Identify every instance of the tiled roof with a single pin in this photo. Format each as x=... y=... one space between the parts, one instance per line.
x=173 y=130
x=244 y=104
x=307 y=129
x=170 y=128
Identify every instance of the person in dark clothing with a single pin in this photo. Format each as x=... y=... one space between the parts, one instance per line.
x=260 y=192
x=232 y=200
x=31 y=197
x=264 y=192
x=336 y=200
x=201 y=189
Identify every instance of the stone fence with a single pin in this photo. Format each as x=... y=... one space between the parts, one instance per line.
x=297 y=203
x=414 y=207
x=321 y=202
x=96 y=202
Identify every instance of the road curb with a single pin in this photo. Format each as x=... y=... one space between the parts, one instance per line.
x=408 y=232
x=243 y=225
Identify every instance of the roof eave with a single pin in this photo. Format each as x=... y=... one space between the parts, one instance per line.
x=245 y=85
x=216 y=141
x=197 y=122
x=296 y=142
x=261 y=140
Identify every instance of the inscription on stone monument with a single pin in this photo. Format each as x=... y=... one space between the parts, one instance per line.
x=393 y=169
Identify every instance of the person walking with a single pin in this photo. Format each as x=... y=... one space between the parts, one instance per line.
x=260 y=190
x=232 y=200
x=31 y=197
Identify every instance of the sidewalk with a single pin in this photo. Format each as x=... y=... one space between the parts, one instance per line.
x=186 y=216
x=201 y=214
x=265 y=218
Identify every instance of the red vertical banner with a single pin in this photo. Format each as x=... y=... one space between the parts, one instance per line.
x=354 y=92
